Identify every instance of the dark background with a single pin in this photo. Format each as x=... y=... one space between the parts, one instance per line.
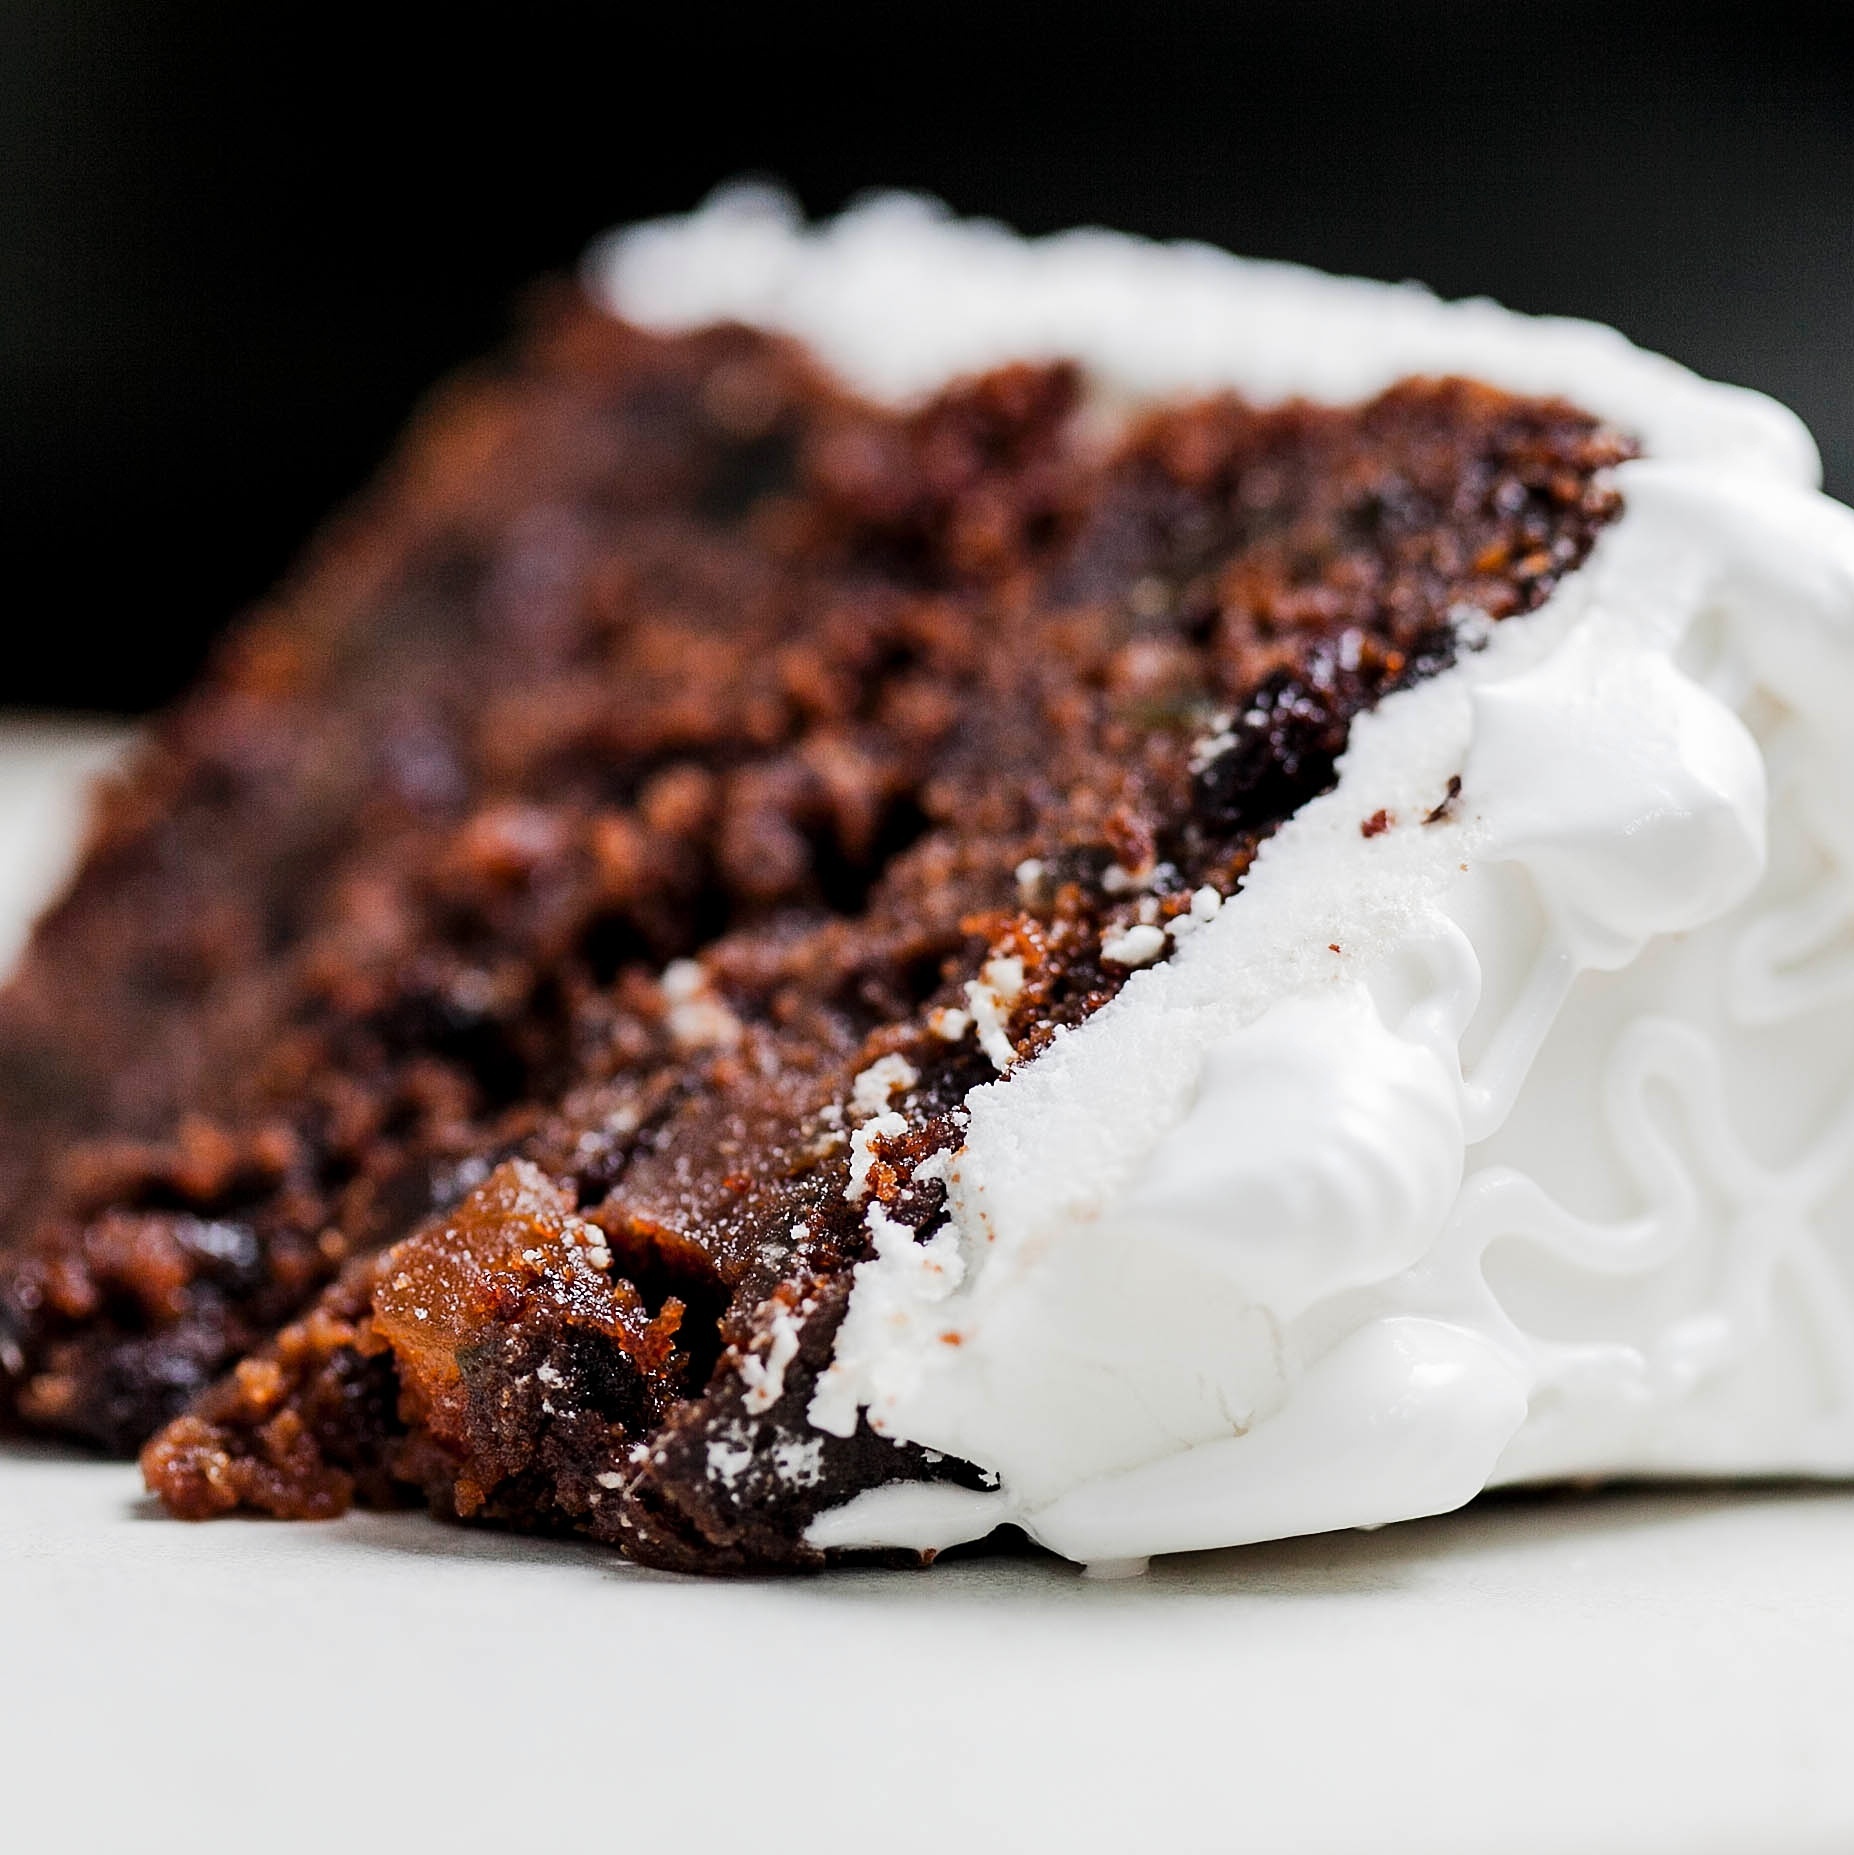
x=237 y=240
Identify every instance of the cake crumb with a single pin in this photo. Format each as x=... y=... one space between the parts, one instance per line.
x=863 y=1160
x=799 y=1465
x=697 y=1018
x=1138 y=945
x=991 y=995
x=765 y=1377
x=889 y=1075
x=1446 y=808
x=1206 y=905
x=949 y=1023
x=728 y=1460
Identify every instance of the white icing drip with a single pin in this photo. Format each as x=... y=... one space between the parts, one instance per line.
x=897 y=1294
x=1517 y=1144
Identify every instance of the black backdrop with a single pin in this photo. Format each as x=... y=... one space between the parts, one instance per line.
x=236 y=240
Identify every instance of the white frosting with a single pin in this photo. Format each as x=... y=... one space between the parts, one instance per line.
x=1515 y=1145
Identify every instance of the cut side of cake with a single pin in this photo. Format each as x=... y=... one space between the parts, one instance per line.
x=899 y=883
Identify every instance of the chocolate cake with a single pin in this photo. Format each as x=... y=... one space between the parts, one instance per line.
x=526 y=1029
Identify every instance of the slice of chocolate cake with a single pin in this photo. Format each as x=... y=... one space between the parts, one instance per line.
x=898 y=883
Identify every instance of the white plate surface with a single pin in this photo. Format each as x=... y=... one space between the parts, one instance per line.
x=1643 y=1671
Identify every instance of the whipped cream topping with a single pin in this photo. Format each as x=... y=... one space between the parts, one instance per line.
x=1513 y=1141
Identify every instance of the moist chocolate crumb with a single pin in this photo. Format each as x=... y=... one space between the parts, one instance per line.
x=1446 y=808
